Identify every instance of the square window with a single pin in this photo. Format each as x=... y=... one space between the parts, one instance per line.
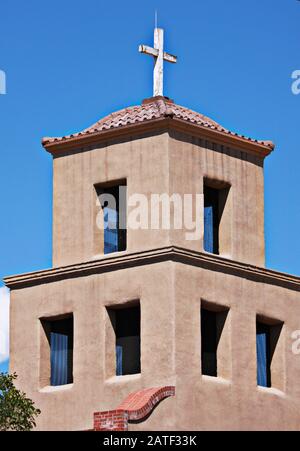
x=263 y=355
x=126 y=326
x=110 y=221
x=58 y=348
x=216 y=228
x=269 y=353
x=209 y=342
x=215 y=341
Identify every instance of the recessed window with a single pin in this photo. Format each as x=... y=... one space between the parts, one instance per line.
x=268 y=354
x=263 y=354
x=110 y=221
x=58 y=349
x=215 y=199
x=126 y=327
x=215 y=343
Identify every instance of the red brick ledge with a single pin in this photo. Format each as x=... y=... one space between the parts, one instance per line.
x=135 y=407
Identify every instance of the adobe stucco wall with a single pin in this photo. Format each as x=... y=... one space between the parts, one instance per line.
x=170 y=295
x=242 y=226
x=207 y=403
x=168 y=162
x=95 y=388
x=143 y=162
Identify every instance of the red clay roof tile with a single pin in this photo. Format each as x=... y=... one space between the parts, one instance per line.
x=153 y=108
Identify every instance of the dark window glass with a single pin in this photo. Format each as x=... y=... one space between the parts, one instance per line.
x=263 y=354
x=209 y=342
x=211 y=220
x=113 y=203
x=126 y=323
x=61 y=351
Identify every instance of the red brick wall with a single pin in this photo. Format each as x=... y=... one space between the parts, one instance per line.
x=135 y=407
x=111 y=420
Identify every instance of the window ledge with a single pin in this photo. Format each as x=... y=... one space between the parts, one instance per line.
x=123 y=379
x=222 y=254
x=55 y=388
x=216 y=379
x=271 y=391
x=111 y=254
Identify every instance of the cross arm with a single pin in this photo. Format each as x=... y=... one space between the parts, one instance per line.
x=154 y=52
x=148 y=50
x=170 y=58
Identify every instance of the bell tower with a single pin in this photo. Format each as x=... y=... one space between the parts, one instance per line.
x=159 y=155
x=158 y=289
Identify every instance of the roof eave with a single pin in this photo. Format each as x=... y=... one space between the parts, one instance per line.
x=58 y=147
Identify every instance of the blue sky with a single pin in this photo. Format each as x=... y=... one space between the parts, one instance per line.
x=68 y=63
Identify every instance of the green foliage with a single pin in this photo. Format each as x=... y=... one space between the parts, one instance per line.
x=17 y=412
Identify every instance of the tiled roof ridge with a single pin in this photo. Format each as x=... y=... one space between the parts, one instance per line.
x=151 y=109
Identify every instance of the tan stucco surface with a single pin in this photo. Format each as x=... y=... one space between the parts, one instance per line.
x=164 y=163
x=170 y=348
x=170 y=292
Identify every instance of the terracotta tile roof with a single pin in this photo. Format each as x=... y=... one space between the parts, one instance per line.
x=151 y=109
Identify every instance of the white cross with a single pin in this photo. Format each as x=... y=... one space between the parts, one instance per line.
x=159 y=56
